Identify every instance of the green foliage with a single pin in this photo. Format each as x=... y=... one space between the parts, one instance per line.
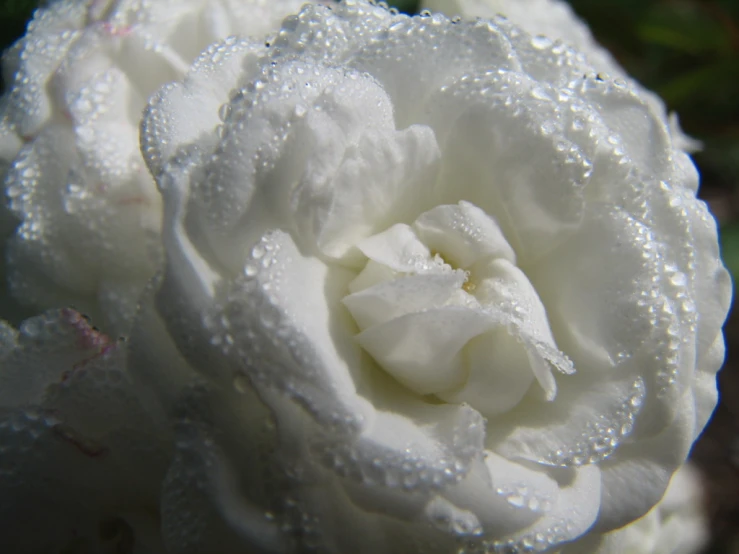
x=13 y=17
x=406 y=6
x=17 y=8
x=730 y=248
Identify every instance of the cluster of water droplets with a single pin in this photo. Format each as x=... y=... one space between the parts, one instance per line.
x=38 y=56
x=521 y=495
x=536 y=542
x=666 y=298
x=330 y=31
x=406 y=470
x=540 y=541
x=25 y=435
x=250 y=327
x=671 y=311
x=261 y=257
x=679 y=315
x=603 y=435
x=269 y=104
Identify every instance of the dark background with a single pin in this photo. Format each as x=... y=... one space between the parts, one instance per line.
x=688 y=52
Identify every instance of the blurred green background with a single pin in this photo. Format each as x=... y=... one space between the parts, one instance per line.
x=688 y=52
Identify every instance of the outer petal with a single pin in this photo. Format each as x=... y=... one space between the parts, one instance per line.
x=83 y=448
x=676 y=525
x=554 y=20
x=86 y=212
x=550 y=18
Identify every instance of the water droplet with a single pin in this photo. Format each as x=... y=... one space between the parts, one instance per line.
x=224 y=111
x=540 y=42
x=258 y=251
x=241 y=383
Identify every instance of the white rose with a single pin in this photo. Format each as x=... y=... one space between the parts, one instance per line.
x=87 y=210
x=556 y=20
x=436 y=285
x=429 y=287
x=677 y=525
x=468 y=279
x=83 y=448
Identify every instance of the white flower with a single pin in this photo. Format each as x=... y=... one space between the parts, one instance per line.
x=677 y=525
x=436 y=285
x=464 y=278
x=428 y=287
x=87 y=208
x=556 y=20
x=83 y=449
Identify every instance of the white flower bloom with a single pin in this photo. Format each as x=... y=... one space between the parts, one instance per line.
x=467 y=278
x=428 y=287
x=677 y=525
x=83 y=451
x=555 y=19
x=436 y=285
x=87 y=208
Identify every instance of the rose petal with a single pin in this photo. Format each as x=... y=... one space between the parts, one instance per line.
x=658 y=456
x=410 y=444
x=197 y=99
x=586 y=424
x=81 y=445
x=463 y=233
x=499 y=373
x=388 y=300
x=397 y=248
x=574 y=512
x=422 y=350
x=505 y=135
x=411 y=72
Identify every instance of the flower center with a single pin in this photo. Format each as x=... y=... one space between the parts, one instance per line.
x=442 y=307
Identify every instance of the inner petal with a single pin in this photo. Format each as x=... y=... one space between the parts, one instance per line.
x=391 y=299
x=399 y=249
x=464 y=233
x=499 y=373
x=423 y=349
x=442 y=307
